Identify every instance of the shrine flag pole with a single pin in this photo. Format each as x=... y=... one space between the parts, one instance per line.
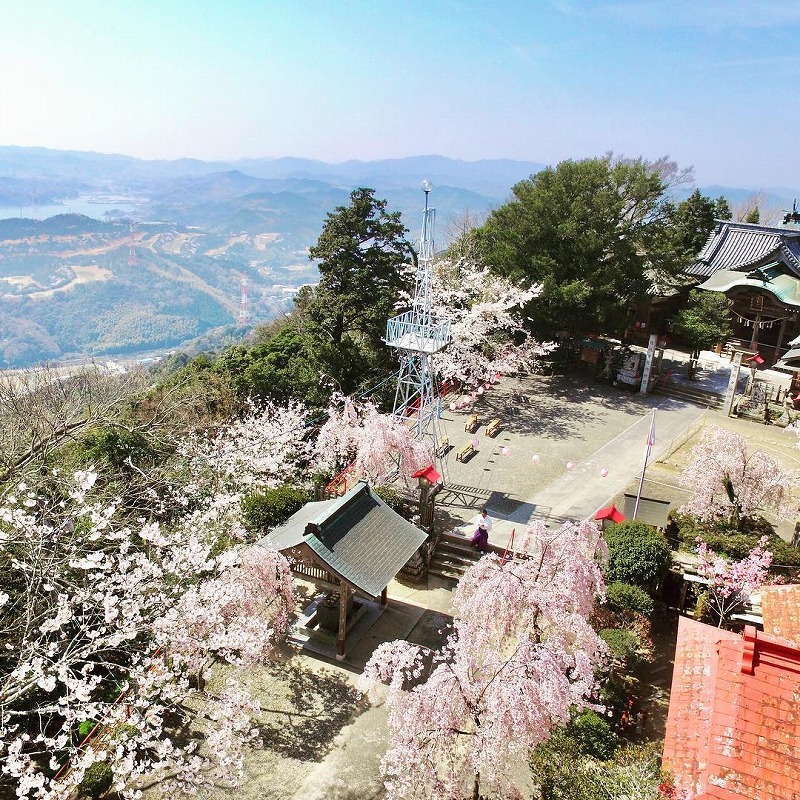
x=651 y=440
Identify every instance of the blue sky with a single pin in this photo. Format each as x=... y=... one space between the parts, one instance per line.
x=712 y=83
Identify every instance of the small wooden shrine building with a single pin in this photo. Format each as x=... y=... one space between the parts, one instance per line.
x=353 y=545
x=757 y=267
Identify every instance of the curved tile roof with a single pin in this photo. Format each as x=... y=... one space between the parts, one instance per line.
x=738 y=245
x=358 y=537
x=783 y=287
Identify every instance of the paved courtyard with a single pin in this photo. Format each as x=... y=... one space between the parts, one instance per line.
x=322 y=741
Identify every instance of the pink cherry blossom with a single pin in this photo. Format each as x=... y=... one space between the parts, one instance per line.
x=486 y=323
x=727 y=483
x=520 y=655
x=732 y=582
x=379 y=446
x=97 y=601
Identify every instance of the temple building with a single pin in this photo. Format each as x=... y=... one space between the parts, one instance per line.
x=351 y=546
x=757 y=267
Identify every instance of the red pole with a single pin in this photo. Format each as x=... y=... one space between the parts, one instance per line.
x=508 y=546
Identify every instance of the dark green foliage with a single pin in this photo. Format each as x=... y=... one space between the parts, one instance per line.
x=704 y=321
x=622 y=597
x=623 y=644
x=85 y=728
x=281 y=368
x=118 y=447
x=394 y=501
x=614 y=693
x=592 y=232
x=637 y=554
x=693 y=220
x=272 y=507
x=593 y=736
x=734 y=543
x=361 y=250
x=97 y=780
x=554 y=769
x=561 y=772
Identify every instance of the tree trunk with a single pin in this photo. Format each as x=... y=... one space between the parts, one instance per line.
x=693 y=358
x=476 y=787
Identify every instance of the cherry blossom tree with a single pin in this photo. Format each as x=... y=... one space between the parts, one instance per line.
x=732 y=582
x=487 y=322
x=520 y=655
x=728 y=484
x=109 y=621
x=377 y=445
x=268 y=445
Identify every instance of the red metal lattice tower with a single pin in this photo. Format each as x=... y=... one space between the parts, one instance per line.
x=243 y=302
x=131 y=250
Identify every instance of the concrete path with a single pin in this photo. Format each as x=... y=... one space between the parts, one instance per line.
x=581 y=493
x=596 y=427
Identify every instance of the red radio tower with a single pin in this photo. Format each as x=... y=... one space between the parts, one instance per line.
x=243 y=303
x=131 y=251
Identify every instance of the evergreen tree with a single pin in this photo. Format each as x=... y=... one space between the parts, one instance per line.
x=593 y=233
x=704 y=321
x=361 y=251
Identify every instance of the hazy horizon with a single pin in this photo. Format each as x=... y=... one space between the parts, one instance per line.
x=541 y=82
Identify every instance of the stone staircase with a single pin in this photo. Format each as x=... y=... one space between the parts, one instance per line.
x=453 y=556
x=689 y=394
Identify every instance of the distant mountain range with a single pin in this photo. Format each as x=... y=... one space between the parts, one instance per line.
x=72 y=285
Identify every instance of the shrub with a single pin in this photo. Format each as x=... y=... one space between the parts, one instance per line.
x=593 y=735
x=394 y=501
x=85 y=728
x=97 y=780
x=624 y=645
x=735 y=544
x=637 y=554
x=116 y=446
x=622 y=597
x=264 y=510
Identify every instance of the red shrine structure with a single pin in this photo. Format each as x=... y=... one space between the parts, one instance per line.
x=733 y=730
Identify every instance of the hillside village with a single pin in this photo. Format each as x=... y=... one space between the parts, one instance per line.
x=260 y=569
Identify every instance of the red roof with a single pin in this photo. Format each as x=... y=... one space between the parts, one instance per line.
x=780 y=607
x=428 y=472
x=610 y=512
x=734 y=715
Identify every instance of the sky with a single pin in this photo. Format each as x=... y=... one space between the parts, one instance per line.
x=711 y=83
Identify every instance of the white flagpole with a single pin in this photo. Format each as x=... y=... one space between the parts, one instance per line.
x=651 y=440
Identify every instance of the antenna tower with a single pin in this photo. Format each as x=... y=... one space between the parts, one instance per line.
x=243 y=303
x=418 y=335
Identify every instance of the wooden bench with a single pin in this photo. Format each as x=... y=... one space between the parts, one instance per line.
x=472 y=423
x=443 y=447
x=465 y=452
x=493 y=427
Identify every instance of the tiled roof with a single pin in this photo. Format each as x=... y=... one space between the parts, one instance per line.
x=780 y=606
x=293 y=531
x=738 y=245
x=786 y=288
x=734 y=717
x=357 y=536
x=366 y=542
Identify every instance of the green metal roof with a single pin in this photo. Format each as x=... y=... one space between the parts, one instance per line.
x=358 y=536
x=785 y=288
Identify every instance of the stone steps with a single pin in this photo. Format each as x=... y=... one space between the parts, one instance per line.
x=453 y=557
x=690 y=394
